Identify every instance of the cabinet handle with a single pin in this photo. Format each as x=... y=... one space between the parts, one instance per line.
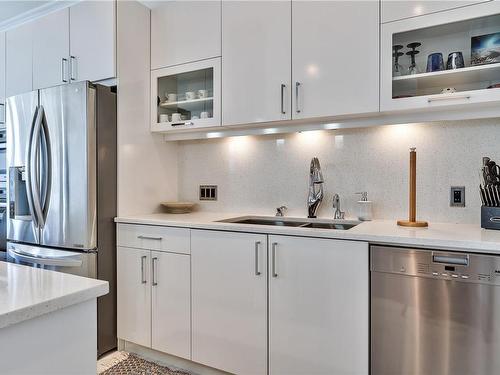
x=283 y=99
x=64 y=61
x=150 y=238
x=448 y=97
x=143 y=266
x=273 y=259
x=297 y=85
x=257 y=270
x=72 y=63
x=155 y=262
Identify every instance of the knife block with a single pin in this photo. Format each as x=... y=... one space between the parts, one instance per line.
x=490 y=217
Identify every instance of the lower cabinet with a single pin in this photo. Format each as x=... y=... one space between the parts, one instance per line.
x=229 y=301
x=154 y=305
x=318 y=306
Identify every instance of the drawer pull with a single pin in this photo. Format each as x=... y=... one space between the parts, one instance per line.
x=448 y=97
x=150 y=238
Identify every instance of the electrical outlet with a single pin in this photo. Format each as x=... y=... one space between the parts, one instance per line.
x=208 y=192
x=457 y=196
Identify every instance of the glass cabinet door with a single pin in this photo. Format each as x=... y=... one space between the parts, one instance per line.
x=186 y=96
x=430 y=63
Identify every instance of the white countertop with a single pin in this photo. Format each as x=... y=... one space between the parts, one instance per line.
x=463 y=237
x=27 y=292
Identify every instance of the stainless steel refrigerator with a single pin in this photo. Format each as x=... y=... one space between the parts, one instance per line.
x=61 y=193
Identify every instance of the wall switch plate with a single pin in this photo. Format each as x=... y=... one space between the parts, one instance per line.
x=208 y=192
x=457 y=196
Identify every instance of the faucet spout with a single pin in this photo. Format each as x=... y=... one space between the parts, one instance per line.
x=316 y=181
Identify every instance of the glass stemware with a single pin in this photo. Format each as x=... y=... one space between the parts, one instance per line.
x=397 y=68
x=413 y=68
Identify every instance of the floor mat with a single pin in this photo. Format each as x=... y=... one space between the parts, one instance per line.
x=122 y=363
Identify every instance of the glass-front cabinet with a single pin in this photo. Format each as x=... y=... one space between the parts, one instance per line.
x=186 y=96
x=446 y=58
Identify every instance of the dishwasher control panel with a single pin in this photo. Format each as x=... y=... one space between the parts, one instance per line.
x=439 y=264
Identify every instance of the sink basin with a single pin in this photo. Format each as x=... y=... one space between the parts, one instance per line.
x=293 y=222
x=340 y=226
x=269 y=221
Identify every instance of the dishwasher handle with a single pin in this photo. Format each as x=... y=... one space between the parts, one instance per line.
x=453 y=259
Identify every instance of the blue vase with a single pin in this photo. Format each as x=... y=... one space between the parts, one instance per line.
x=435 y=62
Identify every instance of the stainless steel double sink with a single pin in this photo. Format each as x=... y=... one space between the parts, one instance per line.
x=293 y=222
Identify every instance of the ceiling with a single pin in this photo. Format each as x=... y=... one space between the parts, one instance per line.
x=13 y=8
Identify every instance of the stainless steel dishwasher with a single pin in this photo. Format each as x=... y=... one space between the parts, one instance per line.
x=434 y=312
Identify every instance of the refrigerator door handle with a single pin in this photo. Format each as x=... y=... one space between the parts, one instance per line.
x=29 y=152
x=34 y=169
x=47 y=172
x=45 y=261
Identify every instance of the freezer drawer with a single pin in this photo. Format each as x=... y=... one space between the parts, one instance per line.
x=75 y=263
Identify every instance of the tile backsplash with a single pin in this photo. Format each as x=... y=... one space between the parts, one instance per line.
x=260 y=173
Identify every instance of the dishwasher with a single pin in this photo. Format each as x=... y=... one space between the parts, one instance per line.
x=434 y=312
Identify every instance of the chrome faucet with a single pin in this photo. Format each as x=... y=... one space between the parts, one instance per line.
x=336 y=205
x=315 y=188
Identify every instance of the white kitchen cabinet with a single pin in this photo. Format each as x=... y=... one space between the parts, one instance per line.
x=229 y=301
x=335 y=67
x=93 y=35
x=184 y=31
x=318 y=306
x=256 y=61
x=51 y=49
x=134 y=295
x=2 y=79
x=151 y=237
x=454 y=30
x=171 y=304
x=397 y=10
x=19 y=60
x=186 y=96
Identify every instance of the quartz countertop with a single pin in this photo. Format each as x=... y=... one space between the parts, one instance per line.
x=27 y=292
x=449 y=236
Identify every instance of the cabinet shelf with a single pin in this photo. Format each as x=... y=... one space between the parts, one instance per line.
x=449 y=78
x=187 y=105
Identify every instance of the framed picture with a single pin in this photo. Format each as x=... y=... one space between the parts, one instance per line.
x=485 y=49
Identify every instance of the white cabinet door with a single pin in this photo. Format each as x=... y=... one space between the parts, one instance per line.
x=171 y=304
x=397 y=10
x=184 y=31
x=318 y=306
x=335 y=65
x=19 y=60
x=256 y=61
x=93 y=35
x=2 y=68
x=134 y=295
x=2 y=79
x=229 y=301
x=51 y=49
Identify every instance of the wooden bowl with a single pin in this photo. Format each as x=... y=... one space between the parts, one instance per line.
x=178 y=207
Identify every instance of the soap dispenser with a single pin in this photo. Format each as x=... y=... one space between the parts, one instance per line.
x=365 y=207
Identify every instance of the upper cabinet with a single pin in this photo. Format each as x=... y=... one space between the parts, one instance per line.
x=256 y=61
x=93 y=35
x=2 y=79
x=398 y=10
x=51 y=49
x=19 y=60
x=185 y=31
x=442 y=59
x=71 y=44
x=335 y=68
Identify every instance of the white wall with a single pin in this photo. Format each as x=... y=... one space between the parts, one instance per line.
x=257 y=174
x=147 y=166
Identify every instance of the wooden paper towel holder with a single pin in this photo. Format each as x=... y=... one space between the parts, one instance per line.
x=412 y=214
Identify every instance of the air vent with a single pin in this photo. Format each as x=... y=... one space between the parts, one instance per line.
x=208 y=192
x=422 y=268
